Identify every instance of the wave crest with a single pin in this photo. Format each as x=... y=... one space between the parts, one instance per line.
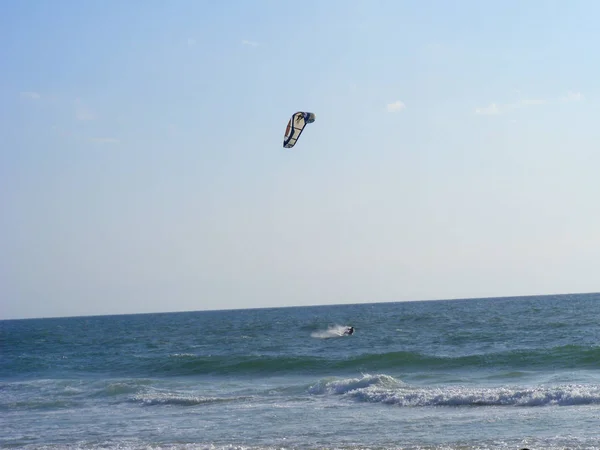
x=388 y=390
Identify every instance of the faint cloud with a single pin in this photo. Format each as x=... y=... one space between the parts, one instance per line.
x=488 y=110
x=495 y=109
x=31 y=95
x=82 y=112
x=191 y=42
x=396 y=106
x=250 y=43
x=573 y=97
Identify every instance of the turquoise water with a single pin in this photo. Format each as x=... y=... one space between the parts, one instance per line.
x=489 y=373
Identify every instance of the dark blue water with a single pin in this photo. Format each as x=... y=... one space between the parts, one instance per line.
x=489 y=373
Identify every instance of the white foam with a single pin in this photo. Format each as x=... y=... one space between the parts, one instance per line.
x=388 y=390
x=331 y=332
x=155 y=397
x=348 y=385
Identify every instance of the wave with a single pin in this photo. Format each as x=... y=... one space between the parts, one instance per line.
x=570 y=357
x=378 y=388
x=388 y=390
x=58 y=394
x=564 y=357
x=152 y=398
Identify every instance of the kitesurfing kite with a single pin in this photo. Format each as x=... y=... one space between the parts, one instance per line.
x=295 y=127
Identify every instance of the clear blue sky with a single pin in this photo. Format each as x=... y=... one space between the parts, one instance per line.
x=455 y=153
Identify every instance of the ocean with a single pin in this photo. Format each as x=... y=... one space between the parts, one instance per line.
x=496 y=373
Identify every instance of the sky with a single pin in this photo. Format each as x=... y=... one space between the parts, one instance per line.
x=455 y=153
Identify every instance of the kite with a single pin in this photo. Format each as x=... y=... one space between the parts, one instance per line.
x=295 y=127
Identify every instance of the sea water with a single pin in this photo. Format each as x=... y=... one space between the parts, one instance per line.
x=498 y=373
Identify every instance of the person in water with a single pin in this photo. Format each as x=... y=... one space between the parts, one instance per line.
x=349 y=330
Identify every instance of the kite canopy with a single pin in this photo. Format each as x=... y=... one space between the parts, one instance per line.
x=295 y=127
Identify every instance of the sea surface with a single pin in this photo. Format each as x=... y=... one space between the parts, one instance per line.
x=498 y=373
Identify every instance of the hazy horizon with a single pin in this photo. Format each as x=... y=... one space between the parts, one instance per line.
x=216 y=309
